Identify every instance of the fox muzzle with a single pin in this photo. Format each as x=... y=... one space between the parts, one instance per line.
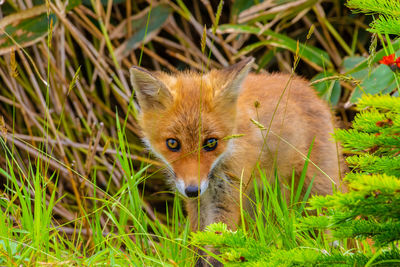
x=190 y=190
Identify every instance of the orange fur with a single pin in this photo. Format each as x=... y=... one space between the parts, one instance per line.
x=191 y=107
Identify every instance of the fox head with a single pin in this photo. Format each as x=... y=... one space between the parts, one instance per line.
x=186 y=117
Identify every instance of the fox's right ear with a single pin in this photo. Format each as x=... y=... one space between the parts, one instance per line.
x=151 y=92
x=234 y=77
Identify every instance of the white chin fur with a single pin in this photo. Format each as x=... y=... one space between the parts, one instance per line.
x=203 y=186
x=180 y=185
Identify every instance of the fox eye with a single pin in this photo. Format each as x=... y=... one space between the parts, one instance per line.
x=173 y=144
x=210 y=144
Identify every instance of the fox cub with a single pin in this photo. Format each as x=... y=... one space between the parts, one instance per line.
x=189 y=121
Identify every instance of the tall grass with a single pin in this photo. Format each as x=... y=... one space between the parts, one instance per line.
x=31 y=232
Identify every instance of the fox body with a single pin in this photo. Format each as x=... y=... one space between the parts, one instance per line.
x=189 y=120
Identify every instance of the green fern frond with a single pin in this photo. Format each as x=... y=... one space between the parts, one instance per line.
x=381 y=233
x=354 y=140
x=367 y=183
x=382 y=102
x=374 y=164
x=253 y=253
x=367 y=120
x=385 y=7
x=386 y=24
x=238 y=249
x=385 y=258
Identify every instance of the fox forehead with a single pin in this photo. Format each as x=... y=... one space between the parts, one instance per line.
x=191 y=90
x=193 y=107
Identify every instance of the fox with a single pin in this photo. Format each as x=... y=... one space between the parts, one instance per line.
x=215 y=130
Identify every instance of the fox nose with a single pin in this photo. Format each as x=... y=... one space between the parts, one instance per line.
x=192 y=191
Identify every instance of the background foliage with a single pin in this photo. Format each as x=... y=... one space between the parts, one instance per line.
x=77 y=185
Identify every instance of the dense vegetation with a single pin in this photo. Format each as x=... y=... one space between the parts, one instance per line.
x=77 y=186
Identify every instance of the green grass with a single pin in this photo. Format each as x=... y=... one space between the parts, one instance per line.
x=114 y=228
x=30 y=232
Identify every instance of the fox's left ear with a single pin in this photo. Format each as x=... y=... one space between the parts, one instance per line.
x=150 y=91
x=235 y=76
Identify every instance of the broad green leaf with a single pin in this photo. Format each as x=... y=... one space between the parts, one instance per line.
x=158 y=16
x=25 y=31
x=72 y=4
x=381 y=80
x=247 y=49
x=351 y=62
x=310 y=54
x=328 y=90
x=290 y=8
x=240 y=5
x=265 y=59
x=364 y=64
